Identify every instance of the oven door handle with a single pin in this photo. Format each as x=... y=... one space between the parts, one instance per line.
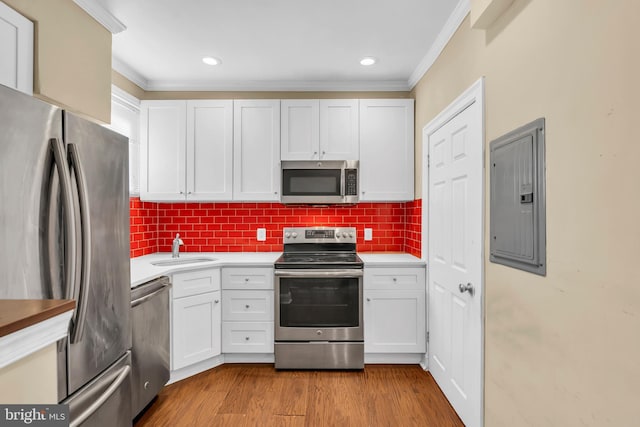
x=320 y=273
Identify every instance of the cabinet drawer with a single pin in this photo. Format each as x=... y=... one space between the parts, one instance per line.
x=409 y=278
x=247 y=278
x=247 y=305
x=196 y=282
x=247 y=337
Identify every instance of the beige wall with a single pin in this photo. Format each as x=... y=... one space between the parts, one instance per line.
x=72 y=62
x=31 y=380
x=564 y=349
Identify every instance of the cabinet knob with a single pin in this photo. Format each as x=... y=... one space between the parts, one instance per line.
x=216 y=301
x=246 y=306
x=246 y=338
x=182 y=192
x=146 y=385
x=395 y=280
x=246 y=279
x=189 y=192
x=369 y=299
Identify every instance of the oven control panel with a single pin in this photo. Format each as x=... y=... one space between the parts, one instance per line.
x=319 y=235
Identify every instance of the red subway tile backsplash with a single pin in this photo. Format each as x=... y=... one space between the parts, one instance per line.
x=231 y=227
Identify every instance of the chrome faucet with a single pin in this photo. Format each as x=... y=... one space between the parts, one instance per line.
x=175 y=247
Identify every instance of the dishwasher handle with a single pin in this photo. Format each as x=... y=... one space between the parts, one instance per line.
x=146 y=291
x=147 y=297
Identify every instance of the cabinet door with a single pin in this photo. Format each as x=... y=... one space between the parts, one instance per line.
x=339 y=133
x=394 y=321
x=300 y=129
x=256 y=150
x=16 y=50
x=386 y=149
x=209 y=150
x=196 y=329
x=162 y=150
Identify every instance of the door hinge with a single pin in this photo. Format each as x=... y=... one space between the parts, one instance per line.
x=427 y=336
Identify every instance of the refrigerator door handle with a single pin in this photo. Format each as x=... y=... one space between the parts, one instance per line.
x=124 y=373
x=85 y=230
x=57 y=147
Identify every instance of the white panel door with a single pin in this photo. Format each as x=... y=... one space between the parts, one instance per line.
x=16 y=50
x=339 y=130
x=455 y=261
x=196 y=329
x=300 y=131
x=386 y=149
x=256 y=150
x=209 y=150
x=163 y=150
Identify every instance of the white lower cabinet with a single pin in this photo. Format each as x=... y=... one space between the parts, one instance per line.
x=196 y=317
x=247 y=316
x=394 y=310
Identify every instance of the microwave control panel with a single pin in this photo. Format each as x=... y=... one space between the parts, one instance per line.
x=351 y=182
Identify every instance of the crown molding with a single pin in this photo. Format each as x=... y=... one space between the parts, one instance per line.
x=102 y=15
x=284 y=85
x=129 y=73
x=461 y=10
x=124 y=98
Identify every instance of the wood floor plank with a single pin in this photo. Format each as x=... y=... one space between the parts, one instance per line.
x=258 y=395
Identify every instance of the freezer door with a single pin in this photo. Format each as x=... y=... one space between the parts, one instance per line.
x=105 y=401
x=28 y=189
x=100 y=174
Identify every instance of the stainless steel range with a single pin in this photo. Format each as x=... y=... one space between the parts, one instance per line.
x=318 y=300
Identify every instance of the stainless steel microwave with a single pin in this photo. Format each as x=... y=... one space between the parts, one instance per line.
x=319 y=182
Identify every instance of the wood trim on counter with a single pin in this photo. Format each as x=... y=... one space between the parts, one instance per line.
x=19 y=314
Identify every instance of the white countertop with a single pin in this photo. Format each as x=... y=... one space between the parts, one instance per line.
x=390 y=259
x=143 y=271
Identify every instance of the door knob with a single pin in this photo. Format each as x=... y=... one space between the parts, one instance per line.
x=466 y=288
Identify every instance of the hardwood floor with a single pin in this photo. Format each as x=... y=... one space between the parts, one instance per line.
x=258 y=395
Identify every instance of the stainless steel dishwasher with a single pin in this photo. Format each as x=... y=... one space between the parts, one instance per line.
x=150 y=341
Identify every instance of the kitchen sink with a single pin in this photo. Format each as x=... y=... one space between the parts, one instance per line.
x=180 y=261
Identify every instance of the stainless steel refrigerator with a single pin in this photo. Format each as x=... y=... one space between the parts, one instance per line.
x=64 y=234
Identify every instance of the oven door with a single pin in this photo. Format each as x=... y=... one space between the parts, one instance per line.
x=318 y=305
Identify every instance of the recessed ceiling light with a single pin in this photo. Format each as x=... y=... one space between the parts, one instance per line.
x=210 y=60
x=366 y=61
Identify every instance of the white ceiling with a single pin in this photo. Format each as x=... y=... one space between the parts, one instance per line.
x=280 y=44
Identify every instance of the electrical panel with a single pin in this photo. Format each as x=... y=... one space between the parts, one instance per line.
x=517 y=207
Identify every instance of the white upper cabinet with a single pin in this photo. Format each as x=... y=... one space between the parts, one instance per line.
x=256 y=150
x=209 y=150
x=186 y=150
x=324 y=129
x=300 y=127
x=162 y=150
x=16 y=50
x=386 y=149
